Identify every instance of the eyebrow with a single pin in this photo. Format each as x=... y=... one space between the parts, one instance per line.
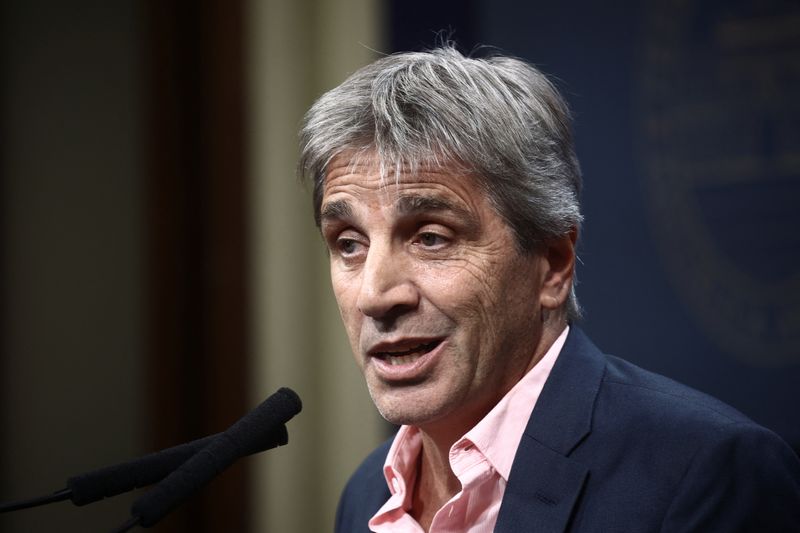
x=338 y=209
x=406 y=205
x=415 y=204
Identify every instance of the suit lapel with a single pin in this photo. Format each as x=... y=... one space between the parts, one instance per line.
x=541 y=492
x=545 y=483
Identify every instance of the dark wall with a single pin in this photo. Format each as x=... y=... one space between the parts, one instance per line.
x=688 y=133
x=123 y=311
x=71 y=259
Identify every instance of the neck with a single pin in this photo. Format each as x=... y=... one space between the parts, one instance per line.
x=436 y=483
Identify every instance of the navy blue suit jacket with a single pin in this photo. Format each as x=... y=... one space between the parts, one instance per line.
x=613 y=448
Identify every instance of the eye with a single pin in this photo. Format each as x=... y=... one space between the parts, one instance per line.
x=429 y=239
x=347 y=246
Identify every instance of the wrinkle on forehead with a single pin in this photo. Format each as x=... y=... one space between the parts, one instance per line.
x=371 y=166
x=365 y=176
x=391 y=168
x=348 y=185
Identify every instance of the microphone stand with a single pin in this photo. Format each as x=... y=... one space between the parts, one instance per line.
x=58 y=496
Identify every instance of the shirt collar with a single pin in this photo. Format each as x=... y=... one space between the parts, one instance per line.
x=497 y=435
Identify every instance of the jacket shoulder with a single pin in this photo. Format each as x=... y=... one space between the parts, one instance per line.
x=364 y=493
x=671 y=424
x=654 y=394
x=687 y=460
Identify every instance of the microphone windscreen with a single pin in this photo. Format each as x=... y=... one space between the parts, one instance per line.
x=243 y=438
x=152 y=468
x=249 y=434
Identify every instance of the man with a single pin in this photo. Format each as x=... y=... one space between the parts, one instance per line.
x=446 y=189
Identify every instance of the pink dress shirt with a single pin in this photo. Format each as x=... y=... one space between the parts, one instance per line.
x=481 y=460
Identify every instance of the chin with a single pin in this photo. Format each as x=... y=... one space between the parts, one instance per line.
x=410 y=409
x=406 y=418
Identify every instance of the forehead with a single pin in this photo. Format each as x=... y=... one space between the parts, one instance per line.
x=364 y=179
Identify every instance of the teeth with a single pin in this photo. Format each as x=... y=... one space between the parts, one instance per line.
x=408 y=356
x=418 y=348
x=398 y=360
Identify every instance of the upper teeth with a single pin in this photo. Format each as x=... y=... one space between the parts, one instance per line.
x=417 y=348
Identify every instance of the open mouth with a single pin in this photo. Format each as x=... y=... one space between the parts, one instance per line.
x=404 y=357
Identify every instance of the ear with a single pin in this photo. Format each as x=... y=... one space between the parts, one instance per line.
x=559 y=269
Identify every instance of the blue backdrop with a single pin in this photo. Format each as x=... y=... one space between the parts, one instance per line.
x=687 y=126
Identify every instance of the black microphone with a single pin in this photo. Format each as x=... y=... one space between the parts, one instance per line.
x=152 y=468
x=246 y=434
x=110 y=481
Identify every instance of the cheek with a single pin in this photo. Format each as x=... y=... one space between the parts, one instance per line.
x=345 y=285
x=498 y=295
x=464 y=292
x=346 y=293
x=475 y=283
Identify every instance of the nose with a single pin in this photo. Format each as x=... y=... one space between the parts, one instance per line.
x=387 y=288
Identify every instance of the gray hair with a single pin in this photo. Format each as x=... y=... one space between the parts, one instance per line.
x=498 y=119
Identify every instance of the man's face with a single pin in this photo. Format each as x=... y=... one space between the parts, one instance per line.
x=442 y=311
